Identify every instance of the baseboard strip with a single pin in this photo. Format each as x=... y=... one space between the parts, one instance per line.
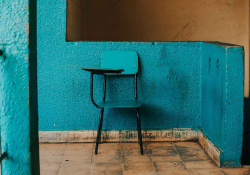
x=214 y=152
x=178 y=134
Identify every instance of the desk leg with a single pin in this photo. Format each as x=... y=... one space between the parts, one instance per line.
x=139 y=130
x=99 y=131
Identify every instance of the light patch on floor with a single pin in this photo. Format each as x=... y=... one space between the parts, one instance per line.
x=159 y=158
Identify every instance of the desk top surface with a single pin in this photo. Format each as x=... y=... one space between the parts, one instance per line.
x=102 y=71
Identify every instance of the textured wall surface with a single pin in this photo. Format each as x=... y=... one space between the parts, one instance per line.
x=168 y=82
x=222 y=99
x=212 y=67
x=178 y=83
x=14 y=83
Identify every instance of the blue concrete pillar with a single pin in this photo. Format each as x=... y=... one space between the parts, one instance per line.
x=18 y=108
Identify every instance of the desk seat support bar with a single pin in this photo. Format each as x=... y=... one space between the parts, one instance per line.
x=99 y=132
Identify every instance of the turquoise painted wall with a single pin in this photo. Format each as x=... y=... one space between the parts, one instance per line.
x=181 y=84
x=168 y=84
x=222 y=89
x=213 y=87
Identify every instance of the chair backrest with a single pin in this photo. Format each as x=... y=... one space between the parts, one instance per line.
x=126 y=60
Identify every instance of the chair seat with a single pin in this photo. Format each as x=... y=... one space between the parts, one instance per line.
x=120 y=104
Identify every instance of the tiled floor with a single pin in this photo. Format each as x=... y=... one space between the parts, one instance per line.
x=160 y=158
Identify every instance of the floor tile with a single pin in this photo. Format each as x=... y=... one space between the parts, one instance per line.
x=108 y=146
x=49 y=166
x=134 y=152
x=195 y=157
x=139 y=173
x=130 y=146
x=236 y=171
x=107 y=169
x=208 y=164
x=79 y=146
x=188 y=144
x=107 y=172
x=190 y=151
x=166 y=158
x=51 y=152
x=169 y=166
x=184 y=151
x=174 y=172
x=107 y=166
x=78 y=152
x=206 y=172
x=107 y=158
x=74 y=172
x=136 y=167
x=77 y=159
x=106 y=151
x=51 y=159
x=85 y=167
x=52 y=146
x=77 y=168
x=161 y=152
x=137 y=159
x=48 y=173
x=163 y=145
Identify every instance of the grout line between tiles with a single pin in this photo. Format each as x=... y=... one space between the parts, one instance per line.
x=149 y=155
x=62 y=158
x=221 y=172
x=123 y=159
x=181 y=158
x=92 y=155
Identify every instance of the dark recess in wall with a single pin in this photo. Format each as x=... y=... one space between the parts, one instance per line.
x=246 y=135
x=33 y=98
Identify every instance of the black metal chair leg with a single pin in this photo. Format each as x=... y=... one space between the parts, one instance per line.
x=99 y=131
x=100 y=138
x=139 y=130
